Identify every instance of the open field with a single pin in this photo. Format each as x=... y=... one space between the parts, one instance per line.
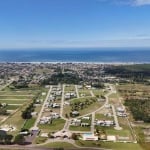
x=84 y=92
x=110 y=145
x=19 y=103
x=79 y=128
x=56 y=125
x=69 y=88
x=98 y=92
x=59 y=145
x=88 y=109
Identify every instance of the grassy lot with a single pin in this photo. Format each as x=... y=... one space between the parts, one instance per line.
x=79 y=128
x=29 y=123
x=40 y=140
x=124 y=132
x=16 y=119
x=109 y=145
x=13 y=101
x=56 y=125
x=89 y=108
x=102 y=117
x=85 y=92
x=69 y=88
x=59 y=145
x=98 y=92
x=114 y=95
x=12 y=107
x=15 y=97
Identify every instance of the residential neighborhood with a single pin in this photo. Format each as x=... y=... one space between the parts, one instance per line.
x=37 y=112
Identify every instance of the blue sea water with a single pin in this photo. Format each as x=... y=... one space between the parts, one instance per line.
x=90 y=55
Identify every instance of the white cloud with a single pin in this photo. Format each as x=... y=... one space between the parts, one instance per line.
x=128 y=2
x=142 y=2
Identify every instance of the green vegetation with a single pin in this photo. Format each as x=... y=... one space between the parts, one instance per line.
x=79 y=128
x=40 y=140
x=59 y=145
x=139 y=108
x=29 y=123
x=68 y=78
x=56 y=125
x=109 y=145
x=137 y=73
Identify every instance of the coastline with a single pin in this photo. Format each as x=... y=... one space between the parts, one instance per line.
x=75 y=62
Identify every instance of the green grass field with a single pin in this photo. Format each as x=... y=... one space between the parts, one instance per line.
x=59 y=145
x=56 y=125
x=109 y=145
x=79 y=128
x=29 y=123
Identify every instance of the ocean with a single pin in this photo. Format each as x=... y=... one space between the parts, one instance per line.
x=83 y=55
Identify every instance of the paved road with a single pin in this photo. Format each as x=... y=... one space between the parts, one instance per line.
x=117 y=126
x=40 y=114
x=62 y=101
x=92 y=122
x=77 y=92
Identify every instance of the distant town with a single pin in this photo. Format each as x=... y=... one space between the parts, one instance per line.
x=74 y=106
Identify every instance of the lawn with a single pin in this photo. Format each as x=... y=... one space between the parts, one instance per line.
x=102 y=117
x=91 y=108
x=15 y=97
x=40 y=140
x=109 y=145
x=85 y=92
x=98 y=92
x=123 y=132
x=79 y=128
x=88 y=109
x=29 y=123
x=12 y=107
x=16 y=119
x=13 y=101
x=56 y=125
x=59 y=145
x=69 y=88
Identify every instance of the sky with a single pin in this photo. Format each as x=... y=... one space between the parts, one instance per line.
x=74 y=23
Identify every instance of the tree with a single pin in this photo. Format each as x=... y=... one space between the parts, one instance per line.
x=19 y=139
x=74 y=136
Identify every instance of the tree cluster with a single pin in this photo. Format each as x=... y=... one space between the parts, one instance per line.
x=140 y=109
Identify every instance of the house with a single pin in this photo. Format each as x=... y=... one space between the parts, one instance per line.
x=88 y=86
x=33 y=114
x=106 y=123
x=55 y=115
x=86 y=118
x=121 y=112
x=75 y=113
x=76 y=122
x=51 y=98
x=84 y=124
x=55 y=105
x=45 y=120
x=43 y=93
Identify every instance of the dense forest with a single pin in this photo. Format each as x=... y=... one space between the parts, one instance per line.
x=140 y=109
x=68 y=78
x=137 y=73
